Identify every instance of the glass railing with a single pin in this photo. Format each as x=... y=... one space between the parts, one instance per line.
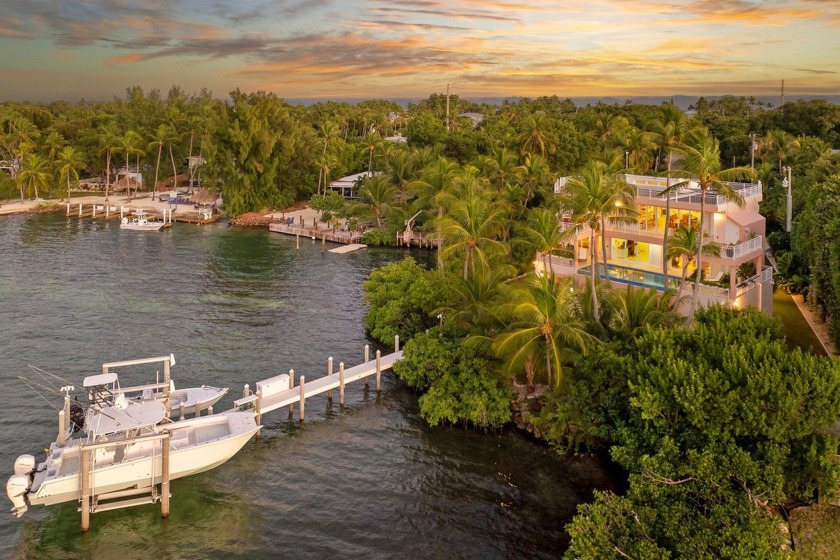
x=632 y=276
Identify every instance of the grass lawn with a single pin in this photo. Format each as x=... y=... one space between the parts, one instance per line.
x=816 y=532
x=798 y=332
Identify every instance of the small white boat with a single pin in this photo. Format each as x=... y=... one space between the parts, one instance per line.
x=103 y=389
x=123 y=459
x=139 y=221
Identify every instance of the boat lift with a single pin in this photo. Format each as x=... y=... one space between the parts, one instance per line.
x=271 y=394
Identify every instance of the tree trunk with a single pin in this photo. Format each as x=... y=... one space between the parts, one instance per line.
x=157 y=170
x=548 y=360
x=604 y=245
x=107 y=173
x=593 y=274
x=667 y=222
x=699 y=270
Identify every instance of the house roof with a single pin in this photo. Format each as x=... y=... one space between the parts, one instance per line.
x=745 y=217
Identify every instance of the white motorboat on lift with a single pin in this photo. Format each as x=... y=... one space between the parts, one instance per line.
x=125 y=457
x=139 y=221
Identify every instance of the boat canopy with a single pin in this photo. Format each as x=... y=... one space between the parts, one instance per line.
x=141 y=415
x=101 y=379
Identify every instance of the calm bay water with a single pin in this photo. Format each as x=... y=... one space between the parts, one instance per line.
x=236 y=306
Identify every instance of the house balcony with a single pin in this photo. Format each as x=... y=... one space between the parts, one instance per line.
x=756 y=291
x=749 y=247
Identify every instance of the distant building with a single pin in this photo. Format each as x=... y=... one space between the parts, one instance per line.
x=348 y=186
x=476 y=118
x=736 y=278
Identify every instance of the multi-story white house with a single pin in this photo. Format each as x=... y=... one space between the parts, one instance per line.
x=737 y=277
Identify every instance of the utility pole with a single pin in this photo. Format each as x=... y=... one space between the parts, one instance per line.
x=447 y=107
x=752 y=150
x=787 y=182
x=783 y=94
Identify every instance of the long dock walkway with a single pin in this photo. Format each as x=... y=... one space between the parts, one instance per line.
x=280 y=391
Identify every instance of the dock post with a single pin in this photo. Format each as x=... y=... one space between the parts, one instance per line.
x=297 y=240
x=84 y=474
x=80 y=209
x=329 y=373
x=378 y=369
x=164 y=476
x=324 y=244
x=367 y=359
x=259 y=410
x=291 y=386
x=181 y=411
x=62 y=428
x=166 y=379
x=302 y=397
x=107 y=211
x=94 y=210
x=68 y=208
x=341 y=383
x=246 y=391
x=396 y=343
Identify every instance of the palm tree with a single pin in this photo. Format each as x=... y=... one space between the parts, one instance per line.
x=669 y=130
x=108 y=140
x=543 y=234
x=782 y=146
x=70 y=162
x=52 y=145
x=683 y=246
x=329 y=132
x=371 y=142
x=701 y=161
x=402 y=172
x=471 y=224
x=163 y=135
x=596 y=196
x=499 y=167
x=32 y=175
x=378 y=194
x=536 y=136
x=633 y=310
x=542 y=326
x=128 y=144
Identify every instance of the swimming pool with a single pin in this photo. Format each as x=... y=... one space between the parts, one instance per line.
x=633 y=276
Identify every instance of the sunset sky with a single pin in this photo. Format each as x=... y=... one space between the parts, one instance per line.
x=399 y=48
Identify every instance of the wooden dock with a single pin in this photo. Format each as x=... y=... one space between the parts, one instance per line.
x=331 y=235
x=280 y=391
x=109 y=212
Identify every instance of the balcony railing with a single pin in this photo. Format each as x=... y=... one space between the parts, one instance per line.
x=745 y=248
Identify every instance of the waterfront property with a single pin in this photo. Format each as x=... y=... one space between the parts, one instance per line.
x=736 y=278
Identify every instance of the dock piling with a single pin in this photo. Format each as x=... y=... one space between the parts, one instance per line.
x=367 y=359
x=341 y=383
x=246 y=391
x=259 y=411
x=164 y=477
x=302 y=396
x=291 y=386
x=378 y=369
x=329 y=372
x=84 y=473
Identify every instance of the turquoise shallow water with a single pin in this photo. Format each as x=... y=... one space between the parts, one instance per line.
x=236 y=306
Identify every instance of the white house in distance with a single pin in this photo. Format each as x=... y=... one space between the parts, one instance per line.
x=737 y=278
x=348 y=186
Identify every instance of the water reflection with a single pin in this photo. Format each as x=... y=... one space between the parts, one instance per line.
x=371 y=480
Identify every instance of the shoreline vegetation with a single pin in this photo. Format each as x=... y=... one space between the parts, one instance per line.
x=718 y=427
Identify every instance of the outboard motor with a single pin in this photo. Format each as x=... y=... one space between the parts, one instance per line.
x=18 y=484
